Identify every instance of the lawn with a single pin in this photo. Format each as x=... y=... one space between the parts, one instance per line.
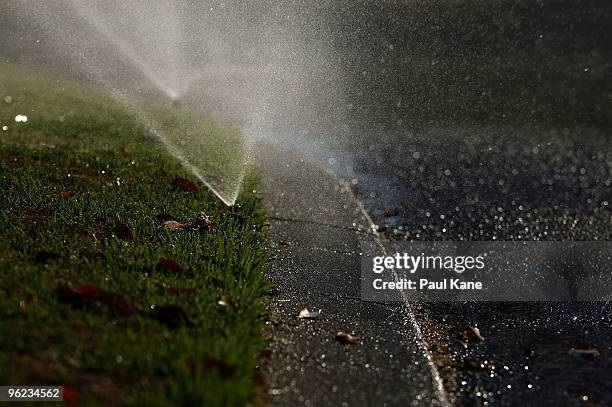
x=121 y=277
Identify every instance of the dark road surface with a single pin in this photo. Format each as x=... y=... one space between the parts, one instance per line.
x=487 y=121
x=550 y=184
x=547 y=185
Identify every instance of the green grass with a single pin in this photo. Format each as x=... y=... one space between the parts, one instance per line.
x=79 y=169
x=71 y=111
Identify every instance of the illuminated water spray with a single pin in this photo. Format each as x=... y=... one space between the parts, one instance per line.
x=151 y=55
x=179 y=64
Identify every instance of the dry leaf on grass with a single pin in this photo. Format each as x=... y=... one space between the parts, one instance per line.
x=169 y=265
x=124 y=232
x=82 y=294
x=185 y=185
x=205 y=224
x=165 y=217
x=174 y=225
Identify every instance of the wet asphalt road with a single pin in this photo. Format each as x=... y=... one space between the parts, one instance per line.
x=484 y=121
x=502 y=184
x=490 y=121
x=499 y=183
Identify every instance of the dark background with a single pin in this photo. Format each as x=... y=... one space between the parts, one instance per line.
x=387 y=65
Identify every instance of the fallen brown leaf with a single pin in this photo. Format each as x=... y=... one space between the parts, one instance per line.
x=67 y=194
x=204 y=223
x=169 y=265
x=590 y=353
x=472 y=332
x=164 y=217
x=78 y=296
x=476 y=332
x=174 y=225
x=306 y=314
x=185 y=185
x=124 y=232
x=346 y=339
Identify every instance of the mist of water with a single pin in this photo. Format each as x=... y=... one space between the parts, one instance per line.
x=246 y=64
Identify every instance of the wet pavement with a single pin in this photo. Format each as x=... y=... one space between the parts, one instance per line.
x=510 y=184
x=317 y=231
x=551 y=185
x=533 y=353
